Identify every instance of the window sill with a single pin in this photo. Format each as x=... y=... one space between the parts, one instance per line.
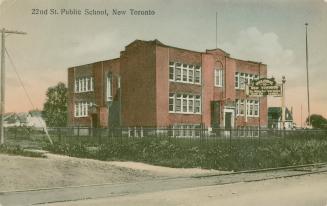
x=182 y=82
x=83 y=92
x=187 y=113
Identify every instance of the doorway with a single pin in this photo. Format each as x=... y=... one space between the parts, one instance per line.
x=229 y=118
x=94 y=120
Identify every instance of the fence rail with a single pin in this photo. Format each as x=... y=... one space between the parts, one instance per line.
x=107 y=135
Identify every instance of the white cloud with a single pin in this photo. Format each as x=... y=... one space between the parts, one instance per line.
x=252 y=44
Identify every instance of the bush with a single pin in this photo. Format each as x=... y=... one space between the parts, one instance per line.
x=240 y=154
x=17 y=150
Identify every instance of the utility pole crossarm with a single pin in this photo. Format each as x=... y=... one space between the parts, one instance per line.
x=13 y=32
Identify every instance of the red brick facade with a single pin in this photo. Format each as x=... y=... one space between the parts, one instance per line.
x=141 y=88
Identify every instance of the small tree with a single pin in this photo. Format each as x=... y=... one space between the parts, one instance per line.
x=55 y=106
x=317 y=121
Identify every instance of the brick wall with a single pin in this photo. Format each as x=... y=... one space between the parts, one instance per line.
x=138 y=71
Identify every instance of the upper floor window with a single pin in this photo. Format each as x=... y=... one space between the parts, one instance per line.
x=109 y=88
x=84 y=84
x=219 y=77
x=185 y=73
x=242 y=79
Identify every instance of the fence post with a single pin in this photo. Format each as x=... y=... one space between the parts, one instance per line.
x=59 y=134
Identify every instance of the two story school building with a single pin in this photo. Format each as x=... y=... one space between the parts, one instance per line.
x=155 y=85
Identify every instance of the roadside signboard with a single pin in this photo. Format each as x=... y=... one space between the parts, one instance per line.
x=264 y=87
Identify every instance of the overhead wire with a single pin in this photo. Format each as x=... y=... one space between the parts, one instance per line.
x=19 y=78
x=26 y=93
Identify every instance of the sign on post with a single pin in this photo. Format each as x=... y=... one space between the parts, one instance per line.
x=264 y=87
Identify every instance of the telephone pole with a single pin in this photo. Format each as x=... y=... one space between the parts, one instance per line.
x=307 y=67
x=283 y=102
x=4 y=32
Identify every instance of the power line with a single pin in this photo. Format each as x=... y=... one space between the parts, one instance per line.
x=19 y=79
x=26 y=93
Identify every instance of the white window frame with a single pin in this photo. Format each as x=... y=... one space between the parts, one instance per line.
x=219 y=77
x=190 y=74
x=109 y=88
x=184 y=73
x=84 y=84
x=197 y=79
x=81 y=109
x=186 y=130
x=184 y=103
x=197 y=108
x=172 y=71
x=242 y=81
x=237 y=80
x=171 y=97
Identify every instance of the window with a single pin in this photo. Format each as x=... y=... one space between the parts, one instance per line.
x=237 y=76
x=241 y=79
x=190 y=103
x=178 y=72
x=82 y=109
x=240 y=107
x=237 y=107
x=118 y=83
x=171 y=102
x=252 y=107
x=171 y=71
x=197 y=104
x=251 y=77
x=185 y=107
x=84 y=84
x=256 y=108
x=197 y=75
x=219 y=77
x=184 y=103
x=109 y=88
x=190 y=74
x=186 y=130
x=185 y=73
x=178 y=103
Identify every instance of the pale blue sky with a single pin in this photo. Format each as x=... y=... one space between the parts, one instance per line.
x=268 y=31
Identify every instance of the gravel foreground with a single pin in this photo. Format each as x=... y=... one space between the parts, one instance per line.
x=25 y=173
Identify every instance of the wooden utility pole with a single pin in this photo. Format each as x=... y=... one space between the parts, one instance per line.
x=283 y=102
x=307 y=68
x=3 y=79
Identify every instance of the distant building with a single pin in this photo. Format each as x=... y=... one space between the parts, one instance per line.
x=275 y=118
x=156 y=85
x=30 y=119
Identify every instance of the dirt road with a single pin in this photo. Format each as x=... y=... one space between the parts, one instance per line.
x=308 y=190
x=130 y=183
x=24 y=173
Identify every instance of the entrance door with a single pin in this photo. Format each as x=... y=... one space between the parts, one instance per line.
x=228 y=118
x=94 y=120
